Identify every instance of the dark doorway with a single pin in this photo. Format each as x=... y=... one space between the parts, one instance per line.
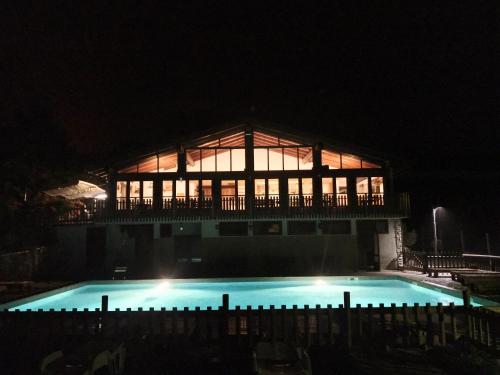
x=368 y=251
x=187 y=253
x=96 y=251
x=144 y=254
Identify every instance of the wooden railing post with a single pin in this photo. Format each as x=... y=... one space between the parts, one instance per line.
x=348 y=328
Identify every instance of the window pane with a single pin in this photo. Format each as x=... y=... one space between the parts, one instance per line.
x=238 y=159
x=327 y=183
x=168 y=162
x=293 y=186
x=260 y=187
x=121 y=189
x=147 y=187
x=273 y=186
x=193 y=188
x=208 y=160
x=180 y=189
x=341 y=186
x=228 y=188
x=307 y=186
x=262 y=139
x=260 y=159
x=367 y=164
x=275 y=159
x=350 y=161
x=332 y=159
x=305 y=155
x=167 y=189
x=291 y=161
x=241 y=187
x=206 y=186
x=223 y=160
x=377 y=185
x=135 y=189
x=148 y=165
x=362 y=185
x=193 y=160
x=341 y=183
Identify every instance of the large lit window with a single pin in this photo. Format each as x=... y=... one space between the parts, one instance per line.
x=167 y=194
x=194 y=192
x=337 y=160
x=260 y=159
x=180 y=189
x=332 y=159
x=206 y=188
x=377 y=191
x=276 y=159
x=267 y=192
x=165 y=162
x=341 y=191
x=287 y=158
x=147 y=193
x=215 y=160
x=305 y=158
x=362 y=190
x=223 y=160
x=233 y=195
x=300 y=192
x=135 y=193
x=237 y=159
x=208 y=160
x=121 y=195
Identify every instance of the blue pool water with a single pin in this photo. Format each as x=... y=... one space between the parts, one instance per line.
x=204 y=293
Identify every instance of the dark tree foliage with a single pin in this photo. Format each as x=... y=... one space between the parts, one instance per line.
x=34 y=156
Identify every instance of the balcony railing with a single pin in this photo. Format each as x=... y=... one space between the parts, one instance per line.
x=330 y=206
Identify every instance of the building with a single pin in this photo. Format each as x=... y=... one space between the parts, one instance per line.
x=245 y=199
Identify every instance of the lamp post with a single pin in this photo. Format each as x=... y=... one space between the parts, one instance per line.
x=434 y=210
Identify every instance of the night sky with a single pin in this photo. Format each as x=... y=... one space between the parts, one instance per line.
x=415 y=81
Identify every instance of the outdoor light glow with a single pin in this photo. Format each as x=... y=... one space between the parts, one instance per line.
x=101 y=196
x=320 y=282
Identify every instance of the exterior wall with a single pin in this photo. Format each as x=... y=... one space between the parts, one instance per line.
x=71 y=251
x=210 y=254
x=388 y=246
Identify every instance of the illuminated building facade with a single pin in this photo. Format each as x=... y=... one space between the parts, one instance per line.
x=245 y=199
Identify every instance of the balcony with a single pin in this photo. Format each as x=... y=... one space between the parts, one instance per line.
x=241 y=207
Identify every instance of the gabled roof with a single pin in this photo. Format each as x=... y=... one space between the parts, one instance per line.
x=205 y=137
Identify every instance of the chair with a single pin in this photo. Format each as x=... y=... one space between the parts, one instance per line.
x=50 y=359
x=120 y=272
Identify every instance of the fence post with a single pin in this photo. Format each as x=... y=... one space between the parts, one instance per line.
x=347 y=307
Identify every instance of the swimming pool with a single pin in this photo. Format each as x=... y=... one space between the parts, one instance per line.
x=203 y=293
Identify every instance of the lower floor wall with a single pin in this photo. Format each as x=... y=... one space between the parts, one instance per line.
x=204 y=249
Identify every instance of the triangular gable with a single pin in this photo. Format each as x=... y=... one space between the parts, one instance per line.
x=335 y=157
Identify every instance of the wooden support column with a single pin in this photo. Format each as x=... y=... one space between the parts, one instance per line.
x=249 y=167
x=283 y=186
x=317 y=186
x=158 y=193
x=351 y=191
x=111 y=206
x=181 y=160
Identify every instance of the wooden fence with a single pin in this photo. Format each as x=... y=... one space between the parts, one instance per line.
x=420 y=261
x=344 y=325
